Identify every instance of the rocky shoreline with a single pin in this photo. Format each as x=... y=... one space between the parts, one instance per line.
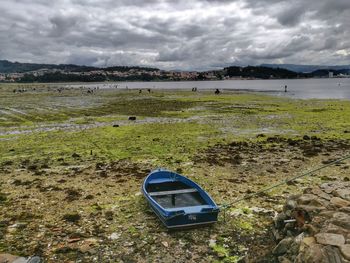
x=315 y=226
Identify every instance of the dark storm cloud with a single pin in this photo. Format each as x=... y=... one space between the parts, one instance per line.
x=198 y=34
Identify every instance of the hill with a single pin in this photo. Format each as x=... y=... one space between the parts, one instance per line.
x=325 y=72
x=17 y=67
x=306 y=68
x=261 y=72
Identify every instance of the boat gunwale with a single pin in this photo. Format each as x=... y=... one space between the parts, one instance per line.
x=164 y=211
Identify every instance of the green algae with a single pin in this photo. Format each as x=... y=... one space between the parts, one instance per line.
x=224 y=254
x=221 y=251
x=162 y=143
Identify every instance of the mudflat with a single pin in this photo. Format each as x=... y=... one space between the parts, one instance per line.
x=72 y=163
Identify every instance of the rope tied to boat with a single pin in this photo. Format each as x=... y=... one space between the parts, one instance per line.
x=229 y=205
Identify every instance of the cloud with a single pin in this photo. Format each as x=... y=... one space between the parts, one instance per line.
x=198 y=34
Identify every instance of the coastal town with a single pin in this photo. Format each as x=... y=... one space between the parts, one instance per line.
x=27 y=73
x=131 y=73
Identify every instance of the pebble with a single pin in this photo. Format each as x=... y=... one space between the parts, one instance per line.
x=212 y=242
x=261 y=210
x=182 y=243
x=88 y=245
x=299 y=238
x=73 y=240
x=114 y=236
x=128 y=244
x=165 y=244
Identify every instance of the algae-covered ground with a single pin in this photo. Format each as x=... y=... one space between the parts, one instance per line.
x=72 y=163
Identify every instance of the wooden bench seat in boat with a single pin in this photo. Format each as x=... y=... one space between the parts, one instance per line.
x=173 y=192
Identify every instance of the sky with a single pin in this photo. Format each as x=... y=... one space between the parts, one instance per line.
x=170 y=34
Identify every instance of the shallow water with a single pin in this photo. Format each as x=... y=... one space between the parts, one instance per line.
x=336 y=88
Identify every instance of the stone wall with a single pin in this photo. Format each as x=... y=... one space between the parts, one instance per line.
x=315 y=226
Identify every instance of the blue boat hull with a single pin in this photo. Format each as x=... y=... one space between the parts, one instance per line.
x=188 y=220
x=186 y=206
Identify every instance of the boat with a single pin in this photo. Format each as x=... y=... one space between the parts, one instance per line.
x=178 y=201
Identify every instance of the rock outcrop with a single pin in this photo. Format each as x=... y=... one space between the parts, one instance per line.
x=315 y=226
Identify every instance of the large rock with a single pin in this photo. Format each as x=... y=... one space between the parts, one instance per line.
x=284 y=260
x=320 y=193
x=345 y=210
x=314 y=254
x=312 y=210
x=339 y=202
x=7 y=258
x=310 y=200
x=290 y=204
x=331 y=228
x=345 y=251
x=283 y=246
x=342 y=193
x=306 y=243
x=330 y=239
x=279 y=220
x=341 y=219
x=332 y=254
x=328 y=187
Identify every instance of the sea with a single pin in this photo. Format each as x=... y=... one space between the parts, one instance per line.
x=325 y=88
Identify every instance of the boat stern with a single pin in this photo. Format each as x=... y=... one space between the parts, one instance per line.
x=186 y=220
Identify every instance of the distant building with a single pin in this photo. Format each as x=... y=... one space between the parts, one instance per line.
x=330 y=74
